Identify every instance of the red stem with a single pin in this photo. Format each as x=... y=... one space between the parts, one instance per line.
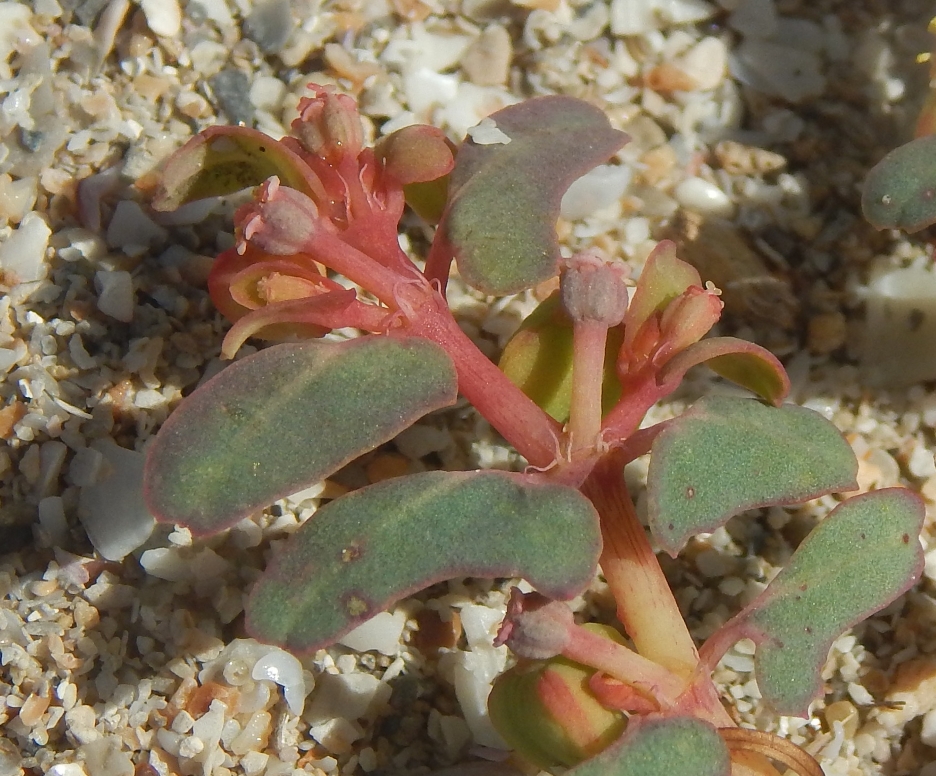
x=646 y=606
x=518 y=418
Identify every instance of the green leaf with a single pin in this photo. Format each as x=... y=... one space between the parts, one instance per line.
x=222 y=160
x=364 y=551
x=284 y=418
x=505 y=196
x=725 y=455
x=900 y=190
x=538 y=360
x=675 y=746
x=858 y=560
x=428 y=199
x=742 y=362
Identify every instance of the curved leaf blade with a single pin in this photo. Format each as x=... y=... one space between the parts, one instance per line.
x=900 y=190
x=856 y=562
x=674 y=746
x=284 y=418
x=505 y=196
x=744 y=363
x=364 y=551
x=725 y=455
x=222 y=160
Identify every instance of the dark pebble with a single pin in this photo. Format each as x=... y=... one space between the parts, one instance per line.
x=269 y=25
x=232 y=95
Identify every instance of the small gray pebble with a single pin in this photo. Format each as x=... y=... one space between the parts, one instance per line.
x=31 y=139
x=232 y=94
x=269 y=25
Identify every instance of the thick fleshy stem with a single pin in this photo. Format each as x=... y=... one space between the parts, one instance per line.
x=646 y=606
x=519 y=420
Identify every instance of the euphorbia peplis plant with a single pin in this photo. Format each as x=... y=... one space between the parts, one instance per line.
x=595 y=357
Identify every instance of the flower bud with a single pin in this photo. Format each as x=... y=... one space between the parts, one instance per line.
x=280 y=221
x=593 y=289
x=329 y=125
x=536 y=627
x=688 y=318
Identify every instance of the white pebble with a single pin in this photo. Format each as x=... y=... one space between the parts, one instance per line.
x=900 y=328
x=253 y=763
x=860 y=695
x=131 y=229
x=115 y=294
x=344 y=696
x=148 y=399
x=703 y=197
x=16 y=33
x=732 y=586
x=165 y=563
x=638 y=17
x=9 y=357
x=52 y=520
x=739 y=663
x=595 y=190
x=921 y=463
x=266 y=93
x=22 y=255
x=279 y=666
x=486 y=132
x=472 y=678
x=381 y=633
x=164 y=17
x=928 y=733
x=929 y=569
x=67 y=769
x=112 y=511
x=706 y=62
x=480 y=623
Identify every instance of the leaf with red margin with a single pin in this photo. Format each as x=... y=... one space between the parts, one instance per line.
x=854 y=563
x=725 y=455
x=312 y=316
x=284 y=418
x=654 y=746
x=504 y=197
x=742 y=362
x=369 y=548
x=222 y=160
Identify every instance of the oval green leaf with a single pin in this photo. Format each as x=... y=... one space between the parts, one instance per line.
x=364 y=551
x=674 y=746
x=900 y=190
x=725 y=455
x=538 y=360
x=858 y=560
x=284 y=418
x=222 y=160
x=504 y=196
